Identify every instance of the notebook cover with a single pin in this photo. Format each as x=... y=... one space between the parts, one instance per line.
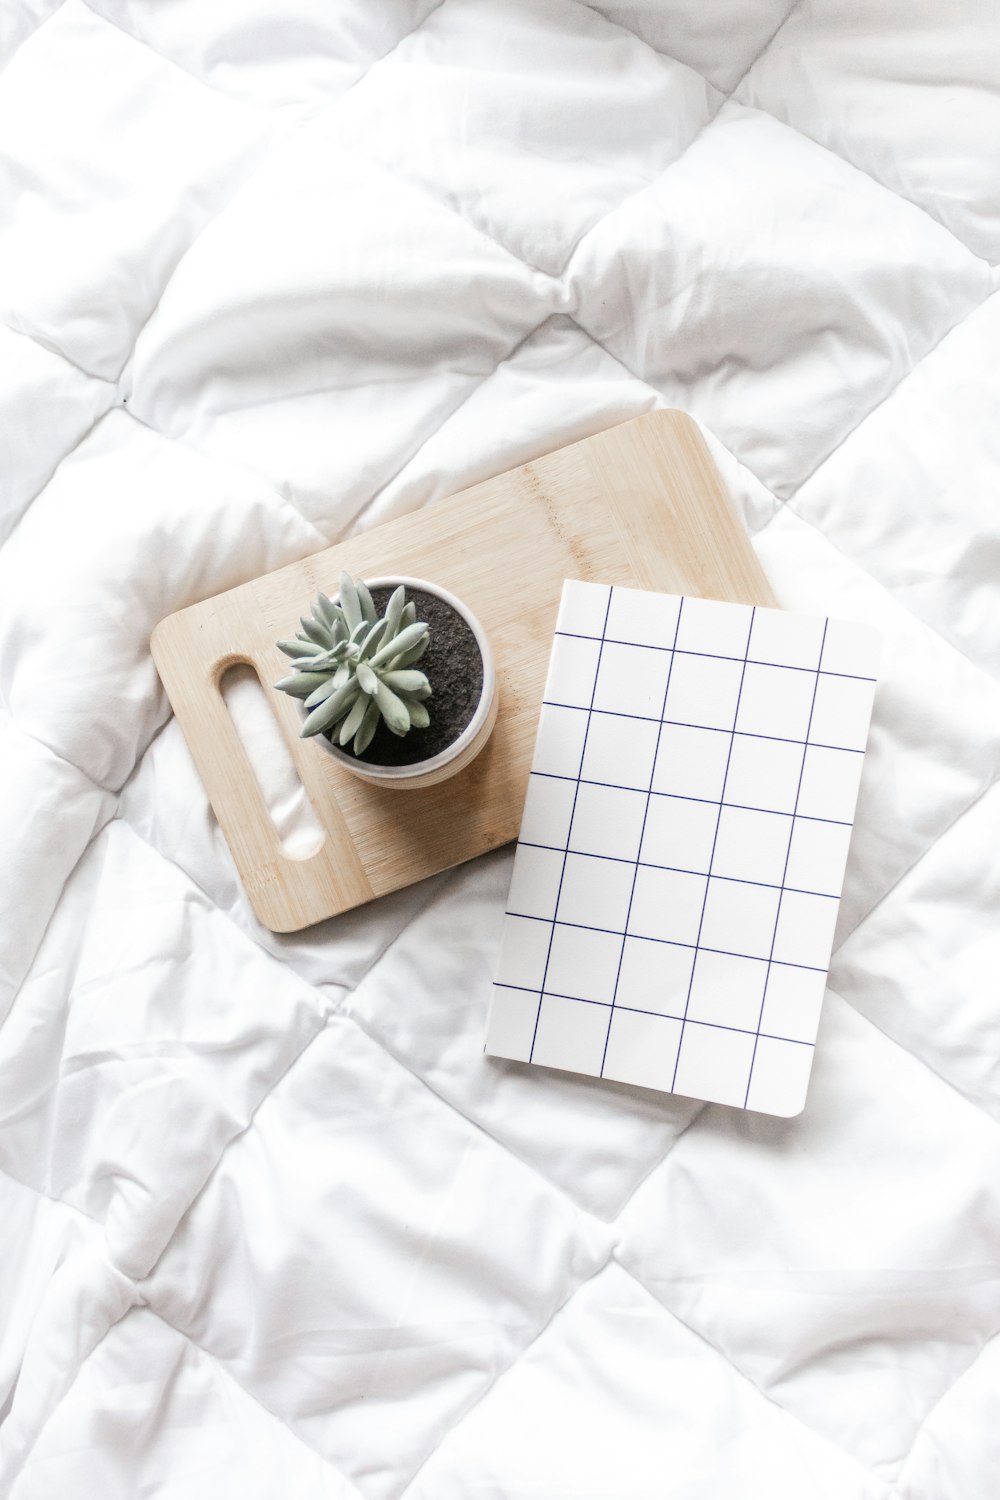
x=683 y=844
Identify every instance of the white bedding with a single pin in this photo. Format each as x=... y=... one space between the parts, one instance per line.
x=272 y=1223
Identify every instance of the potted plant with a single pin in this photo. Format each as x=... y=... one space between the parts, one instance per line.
x=400 y=690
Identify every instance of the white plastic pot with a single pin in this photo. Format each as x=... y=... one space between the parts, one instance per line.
x=462 y=750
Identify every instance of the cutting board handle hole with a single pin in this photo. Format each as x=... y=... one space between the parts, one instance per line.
x=282 y=793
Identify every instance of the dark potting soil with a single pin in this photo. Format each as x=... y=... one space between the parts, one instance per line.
x=454 y=668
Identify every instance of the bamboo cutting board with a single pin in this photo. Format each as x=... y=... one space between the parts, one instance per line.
x=640 y=504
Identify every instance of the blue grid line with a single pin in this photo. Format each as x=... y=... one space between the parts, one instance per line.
x=748 y=734
x=751 y=661
x=648 y=864
x=569 y=831
x=711 y=857
x=642 y=834
x=641 y=937
x=615 y=786
x=659 y=1015
x=788 y=855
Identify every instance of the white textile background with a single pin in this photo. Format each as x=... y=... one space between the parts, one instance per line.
x=274 y=269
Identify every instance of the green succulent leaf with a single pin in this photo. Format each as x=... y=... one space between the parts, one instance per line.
x=402 y=642
x=366 y=601
x=408 y=682
x=375 y=634
x=331 y=710
x=369 y=724
x=393 y=709
x=352 y=723
x=326 y=609
x=411 y=657
x=300 y=648
x=332 y=617
x=419 y=717
x=300 y=684
x=330 y=658
x=393 y=612
x=409 y=616
x=367 y=681
x=350 y=603
x=312 y=630
x=321 y=693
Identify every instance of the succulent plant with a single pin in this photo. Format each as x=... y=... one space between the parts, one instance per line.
x=352 y=668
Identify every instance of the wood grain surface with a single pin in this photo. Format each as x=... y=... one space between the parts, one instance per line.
x=640 y=504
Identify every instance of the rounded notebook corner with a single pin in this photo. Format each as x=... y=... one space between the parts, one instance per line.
x=789 y=1107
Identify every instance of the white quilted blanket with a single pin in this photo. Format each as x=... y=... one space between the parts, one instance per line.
x=272 y=1224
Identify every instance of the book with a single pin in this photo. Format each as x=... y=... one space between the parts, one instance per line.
x=683 y=845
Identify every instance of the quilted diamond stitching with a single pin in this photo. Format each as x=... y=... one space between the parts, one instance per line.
x=924 y=356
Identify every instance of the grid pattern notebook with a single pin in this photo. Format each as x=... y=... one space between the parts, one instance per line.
x=682 y=850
